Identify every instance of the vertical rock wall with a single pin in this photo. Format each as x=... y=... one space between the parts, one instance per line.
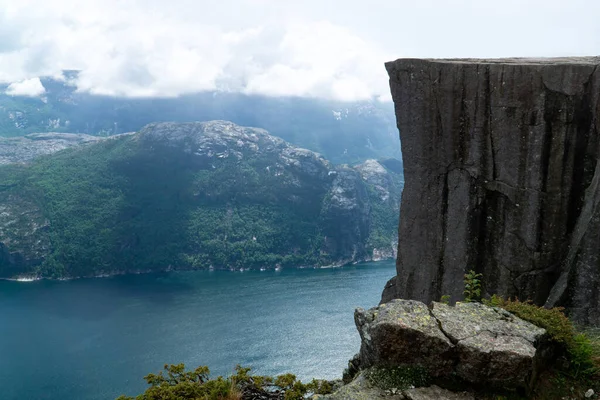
x=501 y=176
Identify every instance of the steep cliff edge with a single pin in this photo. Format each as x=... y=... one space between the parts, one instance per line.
x=501 y=176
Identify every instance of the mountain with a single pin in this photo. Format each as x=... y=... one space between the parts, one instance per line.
x=23 y=149
x=191 y=196
x=344 y=132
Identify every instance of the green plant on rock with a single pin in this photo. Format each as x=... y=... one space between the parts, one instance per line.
x=472 y=286
x=582 y=349
x=319 y=386
x=399 y=378
x=445 y=299
x=175 y=383
x=582 y=355
x=553 y=320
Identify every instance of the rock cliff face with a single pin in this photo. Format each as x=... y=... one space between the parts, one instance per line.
x=500 y=162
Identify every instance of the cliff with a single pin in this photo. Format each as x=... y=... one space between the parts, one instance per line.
x=500 y=162
x=186 y=196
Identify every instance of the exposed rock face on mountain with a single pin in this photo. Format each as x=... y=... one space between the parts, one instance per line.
x=26 y=148
x=192 y=195
x=502 y=177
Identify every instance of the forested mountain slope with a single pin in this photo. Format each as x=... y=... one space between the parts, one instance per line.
x=193 y=195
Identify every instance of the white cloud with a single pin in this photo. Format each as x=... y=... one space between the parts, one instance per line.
x=319 y=59
x=334 y=49
x=28 y=87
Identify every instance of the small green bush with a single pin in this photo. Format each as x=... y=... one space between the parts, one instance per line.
x=175 y=383
x=319 y=386
x=472 y=286
x=581 y=356
x=553 y=320
x=399 y=378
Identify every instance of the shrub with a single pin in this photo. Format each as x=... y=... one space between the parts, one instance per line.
x=553 y=320
x=472 y=286
x=399 y=378
x=582 y=350
x=581 y=356
x=319 y=386
x=175 y=383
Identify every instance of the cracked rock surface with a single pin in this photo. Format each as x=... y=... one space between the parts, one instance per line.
x=472 y=342
x=501 y=176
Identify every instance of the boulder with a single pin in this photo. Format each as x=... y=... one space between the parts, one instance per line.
x=492 y=346
x=403 y=332
x=470 y=342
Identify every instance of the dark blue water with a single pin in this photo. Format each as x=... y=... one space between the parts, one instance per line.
x=96 y=338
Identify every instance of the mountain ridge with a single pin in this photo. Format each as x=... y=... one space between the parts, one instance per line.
x=192 y=195
x=344 y=132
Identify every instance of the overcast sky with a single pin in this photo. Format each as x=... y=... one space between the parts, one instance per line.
x=332 y=49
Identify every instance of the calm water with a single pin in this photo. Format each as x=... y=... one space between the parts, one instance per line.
x=96 y=338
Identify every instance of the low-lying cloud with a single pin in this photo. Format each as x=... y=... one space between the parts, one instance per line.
x=333 y=49
x=28 y=87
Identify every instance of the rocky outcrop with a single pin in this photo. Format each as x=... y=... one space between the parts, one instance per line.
x=501 y=173
x=479 y=345
x=413 y=351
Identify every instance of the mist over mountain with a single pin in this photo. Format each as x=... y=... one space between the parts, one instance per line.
x=343 y=132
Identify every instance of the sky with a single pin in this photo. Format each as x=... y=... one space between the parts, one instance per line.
x=315 y=48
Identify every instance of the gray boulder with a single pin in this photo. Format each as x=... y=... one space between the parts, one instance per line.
x=471 y=342
x=491 y=345
x=403 y=333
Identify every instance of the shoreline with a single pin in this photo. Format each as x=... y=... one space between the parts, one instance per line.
x=29 y=279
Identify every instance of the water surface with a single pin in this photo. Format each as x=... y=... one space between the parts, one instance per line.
x=94 y=339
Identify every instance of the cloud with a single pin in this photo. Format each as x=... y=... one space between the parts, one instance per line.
x=330 y=49
x=28 y=87
x=316 y=59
